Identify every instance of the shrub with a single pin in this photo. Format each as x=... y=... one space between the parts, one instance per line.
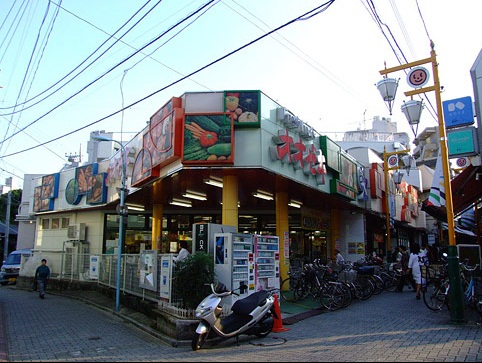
x=190 y=278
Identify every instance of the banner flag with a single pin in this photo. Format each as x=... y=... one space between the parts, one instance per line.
x=437 y=191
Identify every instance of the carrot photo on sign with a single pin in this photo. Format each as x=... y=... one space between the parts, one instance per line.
x=208 y=138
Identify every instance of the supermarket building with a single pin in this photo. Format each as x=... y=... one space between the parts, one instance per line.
x=234 y=158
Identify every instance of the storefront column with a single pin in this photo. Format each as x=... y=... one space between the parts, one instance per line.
x=157 y=210
x=283 y=232
x=335 y=234
x=230 y=201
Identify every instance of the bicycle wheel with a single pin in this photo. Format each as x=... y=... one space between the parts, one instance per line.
x=287 y=290
x=348 y=298
x=386 y=277
x=391 y=281
x=364 y=287
x=332 y=297
x=434 y=296
x=293 y=289
x=478 y=303
x=378 y=283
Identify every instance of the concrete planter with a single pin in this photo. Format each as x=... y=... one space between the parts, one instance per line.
x=181 y=330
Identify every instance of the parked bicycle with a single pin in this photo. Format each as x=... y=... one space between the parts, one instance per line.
x=313 y=281
x=360 y=281
x=473 y=287
x=435 y=291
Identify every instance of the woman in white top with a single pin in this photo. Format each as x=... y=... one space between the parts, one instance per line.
x=414 y=267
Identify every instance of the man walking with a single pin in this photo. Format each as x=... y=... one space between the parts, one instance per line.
x=42 y=275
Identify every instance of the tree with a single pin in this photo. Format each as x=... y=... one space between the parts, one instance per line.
x=16 y=199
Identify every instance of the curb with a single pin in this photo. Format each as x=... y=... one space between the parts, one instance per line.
x=3 y=335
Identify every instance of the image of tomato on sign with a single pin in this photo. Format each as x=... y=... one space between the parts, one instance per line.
x=208 y=138
x=244 y=107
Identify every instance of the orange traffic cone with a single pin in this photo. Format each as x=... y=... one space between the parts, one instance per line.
x=278 y=321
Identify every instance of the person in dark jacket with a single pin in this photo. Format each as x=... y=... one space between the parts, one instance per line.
x=406 y=274
x=42 y=275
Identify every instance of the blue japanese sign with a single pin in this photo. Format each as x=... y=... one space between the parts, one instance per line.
x=458 y=112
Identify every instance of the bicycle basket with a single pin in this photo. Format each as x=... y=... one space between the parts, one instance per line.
x=423 y=260
x=431 y=272
x=347 y=276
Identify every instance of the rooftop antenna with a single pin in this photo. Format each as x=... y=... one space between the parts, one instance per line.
x=73 y=159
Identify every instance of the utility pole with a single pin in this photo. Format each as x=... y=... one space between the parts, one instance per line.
x=8 y=182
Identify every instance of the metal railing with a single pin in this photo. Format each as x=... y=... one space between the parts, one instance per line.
x=77 y=267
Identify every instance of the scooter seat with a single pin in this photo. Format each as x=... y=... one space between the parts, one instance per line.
x=247 y=305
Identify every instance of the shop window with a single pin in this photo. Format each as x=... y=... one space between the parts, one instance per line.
x=65 y=223
x=138 y=233
x=136 y=221
x=45 y=223
x=55 y=223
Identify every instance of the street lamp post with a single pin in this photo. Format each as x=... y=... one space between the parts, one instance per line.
x=122 y=213
x=456 y=294
x=386 y=169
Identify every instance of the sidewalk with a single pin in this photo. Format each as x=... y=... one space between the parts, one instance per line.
x=290 y=312
x=387 y=327
x=3 y=335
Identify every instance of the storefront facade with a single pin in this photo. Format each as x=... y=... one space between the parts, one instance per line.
x=236 y=158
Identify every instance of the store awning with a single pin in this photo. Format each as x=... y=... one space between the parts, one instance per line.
x=459 y=230
x=466 y=190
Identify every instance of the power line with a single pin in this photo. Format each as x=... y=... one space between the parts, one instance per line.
x=319 y=9
x=45 y=42
x=105 y=73
x=381 y=26
x=81 y=63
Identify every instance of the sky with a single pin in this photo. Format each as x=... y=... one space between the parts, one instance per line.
x=69 y=68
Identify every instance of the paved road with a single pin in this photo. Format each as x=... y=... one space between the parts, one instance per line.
x=387 y=327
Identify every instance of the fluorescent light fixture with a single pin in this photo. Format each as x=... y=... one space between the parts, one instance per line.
x=181 y=202
x=295 y=203
x=194 y=195
x=138 y=207
x=217 y=182
x=263 y=195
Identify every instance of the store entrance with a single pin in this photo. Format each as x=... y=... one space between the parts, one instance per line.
x=306 y=246
x=317 y=246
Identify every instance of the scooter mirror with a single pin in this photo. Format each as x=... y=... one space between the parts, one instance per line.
x=243 y=288
x=219 y=287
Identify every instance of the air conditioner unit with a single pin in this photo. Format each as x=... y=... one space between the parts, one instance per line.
x=76 y=231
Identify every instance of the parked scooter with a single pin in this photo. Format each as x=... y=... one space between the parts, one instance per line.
x=252 y=315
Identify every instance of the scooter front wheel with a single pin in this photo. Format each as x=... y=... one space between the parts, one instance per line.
x=198 y=340
x=265 y=327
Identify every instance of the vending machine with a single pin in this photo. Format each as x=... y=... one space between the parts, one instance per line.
x=267 y=262
x=234 y=262
x=203 y=236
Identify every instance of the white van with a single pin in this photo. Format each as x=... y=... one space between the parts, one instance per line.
x=11 y=266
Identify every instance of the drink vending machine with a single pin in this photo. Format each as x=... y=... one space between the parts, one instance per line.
x=234 y=262
x=203 y=236
x=247 y=259
x=267 y=260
